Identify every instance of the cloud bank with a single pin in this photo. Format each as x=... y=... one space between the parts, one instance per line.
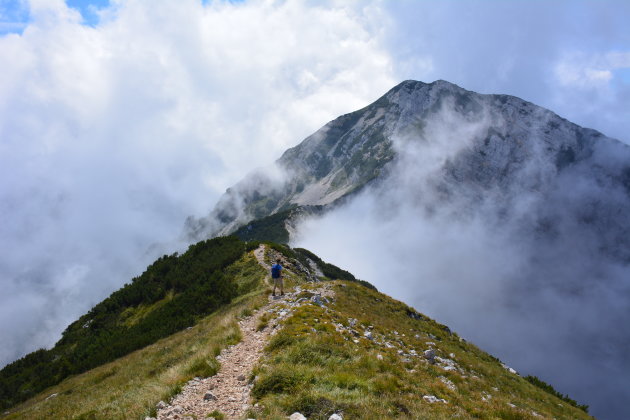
x=110 y=136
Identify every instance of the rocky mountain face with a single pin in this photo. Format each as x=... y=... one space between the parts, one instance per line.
x=471 y=145
x=543 y=203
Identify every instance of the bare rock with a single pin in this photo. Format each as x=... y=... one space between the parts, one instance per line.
x=161 y=405
x=297 y=416
x=433 y=399
x=209 y=397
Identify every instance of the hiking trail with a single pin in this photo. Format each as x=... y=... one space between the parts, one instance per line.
x=229 y=390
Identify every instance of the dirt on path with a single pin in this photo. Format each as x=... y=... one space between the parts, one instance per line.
x=229 y=390
x=259 y=253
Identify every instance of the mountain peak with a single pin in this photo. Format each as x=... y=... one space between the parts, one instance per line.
x=357 y=148
x=412 y=85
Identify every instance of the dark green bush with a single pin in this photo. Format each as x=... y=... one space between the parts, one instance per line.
x=548 y=388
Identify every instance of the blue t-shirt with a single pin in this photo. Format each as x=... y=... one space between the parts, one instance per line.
x=275 y=270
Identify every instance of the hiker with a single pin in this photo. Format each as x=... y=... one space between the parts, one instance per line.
x=276 y=275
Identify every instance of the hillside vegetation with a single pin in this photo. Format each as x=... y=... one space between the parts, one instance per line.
x=361 y=353
x=172 y=294
x=368 y=356
x=129 y=387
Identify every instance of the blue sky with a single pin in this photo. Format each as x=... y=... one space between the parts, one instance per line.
x=88 y=9
x=14 y=14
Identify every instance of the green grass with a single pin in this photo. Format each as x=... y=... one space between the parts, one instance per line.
x=217 y=415
x=172 y=294
x=312 y=368
x=131 y=386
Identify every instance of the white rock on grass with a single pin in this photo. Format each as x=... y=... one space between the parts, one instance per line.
x=449 y=384
x=297 y=416
x=429 y=354
x=161 y=405
x=509 y=369
x=433 y=399
x=335 y=417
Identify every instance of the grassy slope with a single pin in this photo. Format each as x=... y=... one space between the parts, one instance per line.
x=314 y=369
x=129 y=387
x=310 y=367
x=173 y=293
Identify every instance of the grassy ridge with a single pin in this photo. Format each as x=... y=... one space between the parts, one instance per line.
x=129 y=387
x=172 y=293
x=321 y=362
x=315 y=367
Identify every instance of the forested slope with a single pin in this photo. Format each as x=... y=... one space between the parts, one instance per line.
x=173 y=292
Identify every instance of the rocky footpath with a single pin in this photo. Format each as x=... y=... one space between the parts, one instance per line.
x=228 y=392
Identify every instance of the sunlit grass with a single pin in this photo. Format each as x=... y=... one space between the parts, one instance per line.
x=312 y=365
x=130 y=387
x=312 y=368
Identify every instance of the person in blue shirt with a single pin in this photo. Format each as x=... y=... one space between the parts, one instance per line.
x=276 y=275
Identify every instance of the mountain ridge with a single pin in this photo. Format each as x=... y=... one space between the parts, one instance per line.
x=357 y=149
x=375 y=362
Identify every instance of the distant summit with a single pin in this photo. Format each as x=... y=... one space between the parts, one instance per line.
x=515 y=145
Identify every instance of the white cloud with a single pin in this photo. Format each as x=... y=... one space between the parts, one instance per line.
x=584 y=71
x=111 y=135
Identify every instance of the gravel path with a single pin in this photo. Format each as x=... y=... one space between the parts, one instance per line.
x=229 y=390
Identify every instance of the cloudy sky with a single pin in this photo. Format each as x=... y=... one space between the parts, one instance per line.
x=120 y=118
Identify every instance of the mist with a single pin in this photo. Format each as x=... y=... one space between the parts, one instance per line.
x=532 y=266
x=111 y=135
